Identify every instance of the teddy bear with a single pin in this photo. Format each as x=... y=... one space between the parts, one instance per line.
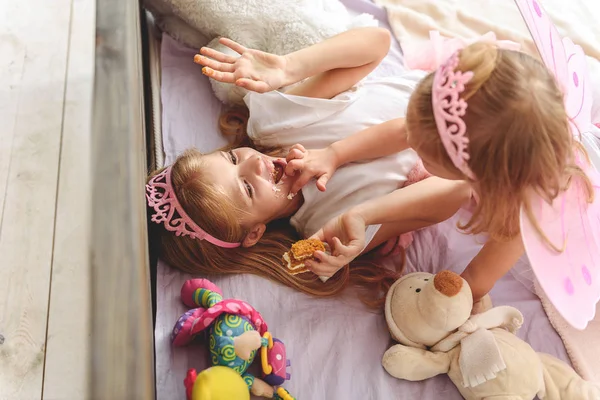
x=278 y=27
x=430 y=316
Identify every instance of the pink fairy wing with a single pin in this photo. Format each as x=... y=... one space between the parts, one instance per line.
x=564 y=59
x=570 y=278
x=546 y=38
x=594 y=212
x=578 y=96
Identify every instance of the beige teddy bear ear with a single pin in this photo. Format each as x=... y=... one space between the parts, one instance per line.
x=413 y=364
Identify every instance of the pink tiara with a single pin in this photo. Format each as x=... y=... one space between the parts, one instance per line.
x=448 y=108
x=168 y=211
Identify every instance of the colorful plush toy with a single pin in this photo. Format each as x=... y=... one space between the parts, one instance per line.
x=236 y=331
x=431 y=318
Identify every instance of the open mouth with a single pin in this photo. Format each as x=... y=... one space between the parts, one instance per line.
x=278 y=171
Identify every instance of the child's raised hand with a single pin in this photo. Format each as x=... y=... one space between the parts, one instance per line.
x=308 y=164
x=253 y=70
x=345 y=236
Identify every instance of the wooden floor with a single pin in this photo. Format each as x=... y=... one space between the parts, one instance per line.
x=46 y=78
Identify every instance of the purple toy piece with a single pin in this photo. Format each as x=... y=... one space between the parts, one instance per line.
x=276 y=357
x=182 y=332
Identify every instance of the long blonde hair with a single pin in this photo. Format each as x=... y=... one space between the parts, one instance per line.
x=218 y=216
x=519 y=137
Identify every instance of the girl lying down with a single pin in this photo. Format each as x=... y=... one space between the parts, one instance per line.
x=230 y=211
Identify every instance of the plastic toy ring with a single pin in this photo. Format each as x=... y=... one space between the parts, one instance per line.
x=267 y=369
x=268 y=336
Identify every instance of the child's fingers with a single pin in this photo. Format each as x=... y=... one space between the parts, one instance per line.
x=198 y=59
x=322 y=182
x=216 y=65
x=324 y=265
x=293 y=166
x=327 y=259
x=238 y=48
x=321 y=269
x=338 y=247
x=255 y=86
x=299 y=147
x=352 y=249
x=217 y=55
x=294 y=154
x=346 y=252
x=226 y=77
x=320 y=235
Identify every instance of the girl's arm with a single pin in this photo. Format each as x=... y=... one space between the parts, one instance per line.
x=377 y=141
x=491 y=263
x=431 y=200
x=336 y=64
x=416 y=206
x=333 y=66
x=434 y=200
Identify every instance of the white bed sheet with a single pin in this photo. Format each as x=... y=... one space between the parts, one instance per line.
x=335 y=345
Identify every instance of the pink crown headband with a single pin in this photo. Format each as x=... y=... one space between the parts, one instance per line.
x=448 y=108
x=168 y=211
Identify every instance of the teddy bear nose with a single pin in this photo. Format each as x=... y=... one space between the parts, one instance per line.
x=447 y=283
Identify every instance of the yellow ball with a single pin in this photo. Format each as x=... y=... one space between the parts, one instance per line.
x=220 y=383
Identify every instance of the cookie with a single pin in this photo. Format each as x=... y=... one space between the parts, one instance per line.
x=301 y=251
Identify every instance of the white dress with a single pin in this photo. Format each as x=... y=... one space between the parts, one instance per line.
x=280 y=120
